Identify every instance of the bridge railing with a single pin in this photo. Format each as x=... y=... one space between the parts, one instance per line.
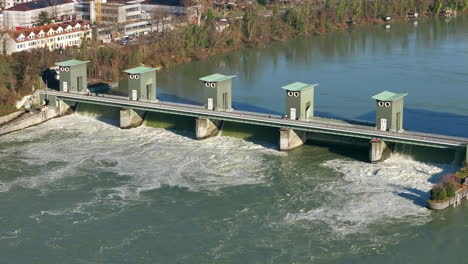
x=277 y=120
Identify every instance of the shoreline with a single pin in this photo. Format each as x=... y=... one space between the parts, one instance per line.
x=145 y=52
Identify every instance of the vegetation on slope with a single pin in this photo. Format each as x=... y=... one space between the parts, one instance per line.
x=259 y=25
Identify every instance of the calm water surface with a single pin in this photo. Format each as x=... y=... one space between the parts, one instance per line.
x=78 y=190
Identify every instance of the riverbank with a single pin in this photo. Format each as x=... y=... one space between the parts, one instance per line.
x=450 y=190
x=72 y=180
x=260 y=26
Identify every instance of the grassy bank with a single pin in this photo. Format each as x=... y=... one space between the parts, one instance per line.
x=6 y=109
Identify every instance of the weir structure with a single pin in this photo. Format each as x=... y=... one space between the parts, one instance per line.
x=293 y=130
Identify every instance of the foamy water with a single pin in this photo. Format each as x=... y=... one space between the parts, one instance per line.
x=102 y=172
x=368 y=194
x=149 y=157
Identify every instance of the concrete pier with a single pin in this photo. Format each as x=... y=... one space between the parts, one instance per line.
x=290 y=139
x=316 y=130
x=66 y=108
x=205 y=128
x=130 y=118
x=378 y=151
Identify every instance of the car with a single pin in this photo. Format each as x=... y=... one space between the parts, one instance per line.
x=124 y=41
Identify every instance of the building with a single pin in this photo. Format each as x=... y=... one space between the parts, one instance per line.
x=389 y=111
x=1 y=21
x=25 y=15
x=141 y=83
x=86 y=10
x=52 y=36
x=300 y=100
x=11 y=3
x=163 y=7
x=73 y=76
x=115 y=19
x=218 y=92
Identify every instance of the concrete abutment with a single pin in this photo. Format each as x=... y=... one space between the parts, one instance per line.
x=66 y=108
x=466 y=157
x=379 y=151
x=130 y=118
x=290 y=139
x=205 y=128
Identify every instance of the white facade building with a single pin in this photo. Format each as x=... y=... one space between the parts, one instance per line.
x=165 y=7
x=11 y=3
x=52 y=36
x=26 y=14
x=1 y=21
x=115 y=19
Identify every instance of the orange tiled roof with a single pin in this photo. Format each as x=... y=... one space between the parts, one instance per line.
x=36 y=30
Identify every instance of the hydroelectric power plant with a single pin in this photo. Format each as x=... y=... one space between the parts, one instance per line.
x=78 y=189
x=292 y=130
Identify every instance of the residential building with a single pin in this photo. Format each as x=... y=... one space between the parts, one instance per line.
x=169 y=7
x=11 y=3
x=52 y=36
x=25 y=15
x=1 y=21
x=118 y=18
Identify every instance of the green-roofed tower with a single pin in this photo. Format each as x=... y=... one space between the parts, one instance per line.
x=389 y=113
x=218 y=92
x=141 y=83
x=299 y=100
x=73 y=76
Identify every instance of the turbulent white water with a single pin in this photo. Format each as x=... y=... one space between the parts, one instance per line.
x=102 y=171
x=148 y=157
x=367 y=194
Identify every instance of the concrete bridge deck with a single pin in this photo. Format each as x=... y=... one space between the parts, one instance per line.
x=317 y=126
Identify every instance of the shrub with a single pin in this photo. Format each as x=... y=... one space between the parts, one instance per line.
x=450 y=189
x=462 y=173
x=438 y=193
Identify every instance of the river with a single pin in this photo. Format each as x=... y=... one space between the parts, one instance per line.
x=79 y=190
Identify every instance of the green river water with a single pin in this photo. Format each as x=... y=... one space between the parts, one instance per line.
x=80 y=190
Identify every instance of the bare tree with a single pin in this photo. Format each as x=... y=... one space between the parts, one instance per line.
x=199 y=7
x=2 y=4
x=159 y=19
x=53 y=4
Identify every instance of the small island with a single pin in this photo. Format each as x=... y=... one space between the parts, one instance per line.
x=450 y=190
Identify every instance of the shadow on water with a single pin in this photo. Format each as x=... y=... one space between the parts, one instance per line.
x=99 y=87
x=427 y=121
x=165 y=97
x=436 y=178
x=253 y=108
x=357 y=121
x=358 y=153
x=417 y=196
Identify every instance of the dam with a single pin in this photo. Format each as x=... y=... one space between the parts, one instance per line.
x=294 y=129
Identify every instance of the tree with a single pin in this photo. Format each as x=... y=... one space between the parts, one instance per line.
x=249 y=21
x=43 y=18
x=198 y=6
x=159 y=19
x=2 y=4
x=209 y=16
